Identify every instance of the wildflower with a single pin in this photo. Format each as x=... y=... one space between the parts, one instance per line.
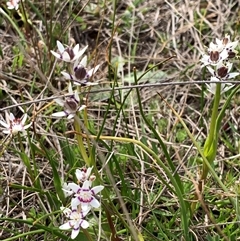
x=13 y=4
x=214 y=57
x=222 y=50
x=14 y=125
x=66 y=190
x=81 y=75
x=71 y=104
x=68 y=54
x=229 y=46
x=222 y=71
x=75 y=222
x=83 y=174
x=212 y=86
x=85 y=195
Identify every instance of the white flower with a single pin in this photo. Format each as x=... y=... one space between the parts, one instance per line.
x=80 y=74
x=83 y=174
x=75 y=221
x=212 y=86
x=85 y=195
x=222 y=71
x=14 y=125
x=70 y=104
x=68 y=54
x=229 y=46
x=66 y=190
x=13 y=4
x=214 y=57
x=222 y=50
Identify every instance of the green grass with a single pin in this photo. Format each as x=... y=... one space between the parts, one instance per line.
x=145 y=144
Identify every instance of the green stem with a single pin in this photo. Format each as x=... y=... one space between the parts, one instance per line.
x=77 y=128
x=210 y=145
x=214 y=116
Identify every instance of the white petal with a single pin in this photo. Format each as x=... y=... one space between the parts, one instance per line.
x=67 y=76
x=95 y=203
x=84 y=206
x=11 y=117
x=27 y=126
x=70 y=90
x=75 y=64
x=80 y=53
x=59 y=114
x=93 y=70
x=84 y=224
x=84 y=61
x=60 y=47
x=74 y=186
x=210 y=70
x=66 y=57
x=233 y=75
x=79 y=175
x=74 y=203
x=67 y=193
x=75 y=233
x=76 y=96
x=70 y=116
x=223 y=55
x=81 y=107
x=65 y=226
x=89 y=170
x=97 y=189
x=227 y=88
x=229 y=66
x=59 y=102
x=4 y=124
x=58 y=56
x=6 y=131
x=76 y=49
x=24 y=119
x=86 y=185
x=218 y=41
x=232 y=45
x=85 y=212
x=77 y=83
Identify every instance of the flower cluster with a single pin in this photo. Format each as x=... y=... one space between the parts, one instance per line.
x=218 y=62
x=83 y=200
x=79 y=75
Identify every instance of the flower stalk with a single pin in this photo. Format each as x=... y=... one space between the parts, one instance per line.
x=218 y=64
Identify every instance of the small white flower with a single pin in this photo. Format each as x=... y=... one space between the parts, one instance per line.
x=214 y=57
x=13 y=4
x=14 y=125
x=70 y=104
x=212 y=86
x=75 y=222
x=81 y=75
x=222 y=50
x=66 y=190
x=222 y=71
x=83 y=174
x=85 y=195
x=68 y=54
